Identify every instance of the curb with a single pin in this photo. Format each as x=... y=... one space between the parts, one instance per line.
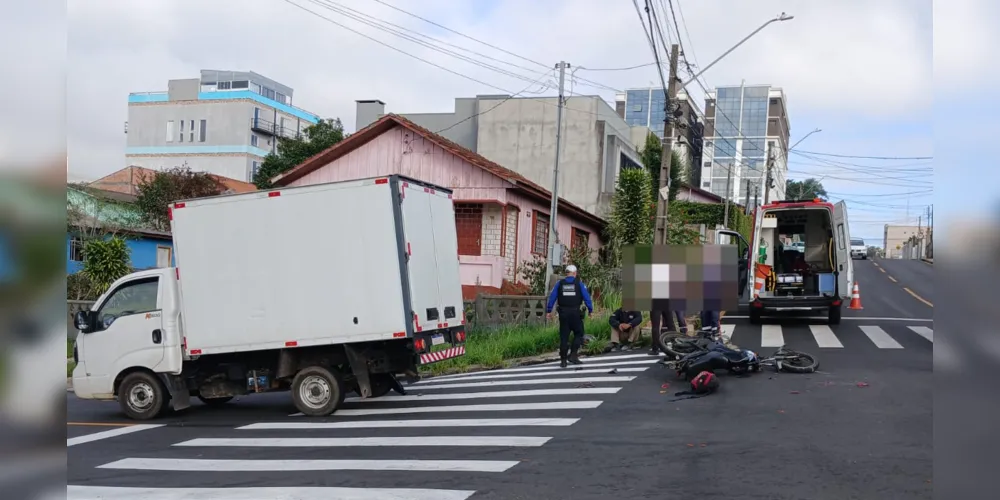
x=929 y=261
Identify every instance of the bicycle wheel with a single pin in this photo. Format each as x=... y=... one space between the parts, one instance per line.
x=676 y=344
x=798 y=362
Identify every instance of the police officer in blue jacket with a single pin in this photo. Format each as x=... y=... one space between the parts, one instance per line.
x=570 y=293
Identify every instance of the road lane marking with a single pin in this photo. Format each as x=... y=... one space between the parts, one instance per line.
x=549 y=405
x=824 y=336
x=576 y=391
x=923 y=331
x=97 y=436
x=208 y=465
x=404 y=424
x=727 y=331
x=500 y=441
x=604 y=359
x=880 y=269
x=74 y=492
x=551 y=373
x=881 y=339
x=921 y=299
x=648 y=361
x=100 y=424
x=490 y=383
x=893 y=279
x=845 y=318
x=770 y=336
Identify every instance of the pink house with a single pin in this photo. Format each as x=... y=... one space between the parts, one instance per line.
x=502 y=218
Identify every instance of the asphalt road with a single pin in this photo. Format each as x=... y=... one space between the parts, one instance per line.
x=859 y=428
x=904 y=286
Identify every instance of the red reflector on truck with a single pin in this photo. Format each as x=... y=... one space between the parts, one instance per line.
x=382 y=181
x=273 y=194
x=195 y=352
x=398 y=335
x=418 y=344
x=177 y=271
x=291 y=343
x=178 y=205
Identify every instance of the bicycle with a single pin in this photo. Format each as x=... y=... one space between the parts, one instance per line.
x=785 y=359
x=678 y=345
x=742 y=361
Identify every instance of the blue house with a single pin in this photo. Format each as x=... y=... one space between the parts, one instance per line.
x=95 y=213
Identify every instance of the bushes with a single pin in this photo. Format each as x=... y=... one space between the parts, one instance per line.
x=686 y=212
x=104 y=261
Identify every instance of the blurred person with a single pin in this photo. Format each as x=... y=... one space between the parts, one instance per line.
x=624 y=323
x=570 y=293
x=658 y=317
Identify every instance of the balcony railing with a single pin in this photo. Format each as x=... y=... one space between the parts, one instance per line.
x=273 y=129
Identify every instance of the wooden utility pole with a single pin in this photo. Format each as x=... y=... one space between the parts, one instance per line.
x=770 y=178
x=662 y=203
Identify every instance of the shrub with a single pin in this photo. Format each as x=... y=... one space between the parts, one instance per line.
x=104 y=261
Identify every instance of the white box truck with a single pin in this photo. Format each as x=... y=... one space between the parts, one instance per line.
x=784 y=276
x=320 y=290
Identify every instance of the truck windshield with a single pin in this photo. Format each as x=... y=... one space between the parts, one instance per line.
x=857 y=243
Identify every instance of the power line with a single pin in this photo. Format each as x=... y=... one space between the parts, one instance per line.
x=859 y=165
x=591 y=82
x=581 y=68
x=867 y=157
x=690 y=41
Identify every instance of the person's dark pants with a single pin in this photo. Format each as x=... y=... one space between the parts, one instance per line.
x=710 y=318
x=570 y=321
x=658 y=317
x=681 y=321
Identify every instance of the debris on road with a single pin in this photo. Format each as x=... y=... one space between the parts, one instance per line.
x=862 y=384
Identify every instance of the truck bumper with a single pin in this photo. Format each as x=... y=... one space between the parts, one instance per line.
x=795 y=303
x=441 y=344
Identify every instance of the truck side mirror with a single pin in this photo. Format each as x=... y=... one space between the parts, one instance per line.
x=82 y=321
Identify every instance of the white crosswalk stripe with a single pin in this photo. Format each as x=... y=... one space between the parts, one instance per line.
x=880 y=338
x=923 y=331
x=771 y=336
x=537 y=392
x=824 y=336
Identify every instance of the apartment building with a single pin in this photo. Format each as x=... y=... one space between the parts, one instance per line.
x=646 y=107
x=223 y=123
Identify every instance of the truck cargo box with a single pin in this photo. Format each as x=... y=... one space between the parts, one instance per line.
x=354 y=261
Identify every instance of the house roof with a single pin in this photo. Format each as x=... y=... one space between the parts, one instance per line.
x=389 y=121
x=127 y=180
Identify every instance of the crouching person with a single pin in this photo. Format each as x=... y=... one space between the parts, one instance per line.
x=624 y=329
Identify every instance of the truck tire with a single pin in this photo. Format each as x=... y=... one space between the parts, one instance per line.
x=834 y=315
x=316 y=391
x=381 y=384
x=142 y=396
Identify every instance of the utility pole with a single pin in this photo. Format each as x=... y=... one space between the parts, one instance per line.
x=662 y=203
x=756 y=194
x=770 y=177
x=554 y=209
x=746 y=201
x=725 y=215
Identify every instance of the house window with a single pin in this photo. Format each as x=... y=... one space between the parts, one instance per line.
x=203 y=126
x=164 y=256
x=469 y=226
x=254 y=167
x=182 y=131
x=76 y=249
x=253 y=140
x=191 y=132
x=224 y=85
x=540 y=233
x=241 y=84
x=581 y=239
x=170 y=131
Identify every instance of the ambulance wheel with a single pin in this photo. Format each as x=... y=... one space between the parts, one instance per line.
x=317 y=391
x=834 y=315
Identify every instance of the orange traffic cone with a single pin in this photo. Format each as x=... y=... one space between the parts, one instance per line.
x=855 y=298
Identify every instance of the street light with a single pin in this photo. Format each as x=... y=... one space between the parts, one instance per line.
x=804 y=138
x=781 y=17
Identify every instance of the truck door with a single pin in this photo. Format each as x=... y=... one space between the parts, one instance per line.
x=127 y=332
x=842 y=237
x=421 y=248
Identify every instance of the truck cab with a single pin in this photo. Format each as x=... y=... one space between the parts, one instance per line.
x=798 y=259
x=858 y=249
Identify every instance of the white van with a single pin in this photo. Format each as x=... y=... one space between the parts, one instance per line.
x=780 y=277
x=858 y=249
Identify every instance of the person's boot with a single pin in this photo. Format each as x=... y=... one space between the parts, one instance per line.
x=575 y=359
x=562 y=363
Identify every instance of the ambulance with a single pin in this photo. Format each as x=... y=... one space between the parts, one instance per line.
x=798 y=259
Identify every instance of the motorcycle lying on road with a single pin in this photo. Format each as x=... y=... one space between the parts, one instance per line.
x=692 y=355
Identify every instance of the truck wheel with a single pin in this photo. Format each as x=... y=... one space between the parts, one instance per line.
x=317 y=391
x=215 y=401
x=142 y=396
x=754 y=316
x=381 y=384
x=834 y=315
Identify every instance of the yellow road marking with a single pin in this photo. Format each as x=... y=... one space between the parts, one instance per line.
x=893 y=279
x=921 y=299
x=100 y=424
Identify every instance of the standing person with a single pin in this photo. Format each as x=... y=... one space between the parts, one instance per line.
x=624 y=323
x=664 y=315
x=570 y=293
x=681 y=321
